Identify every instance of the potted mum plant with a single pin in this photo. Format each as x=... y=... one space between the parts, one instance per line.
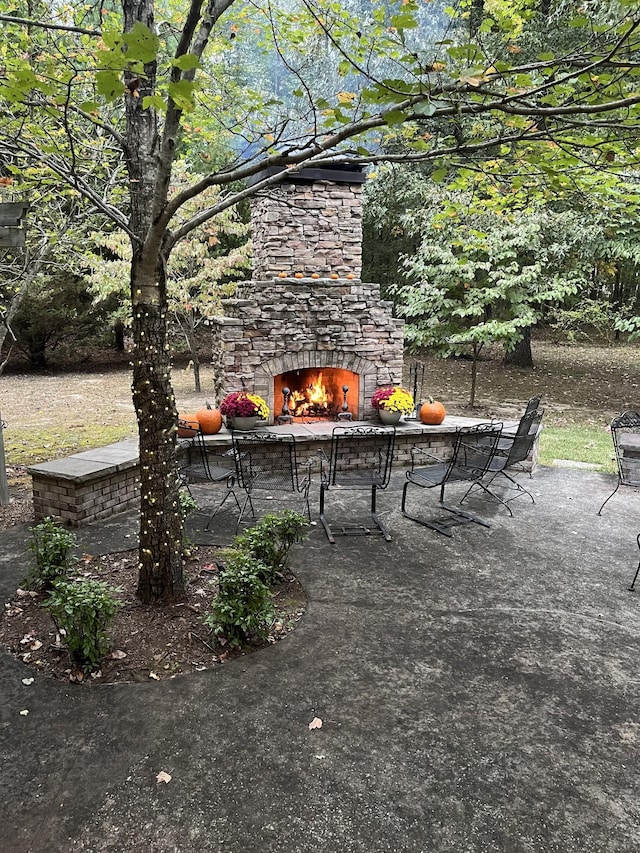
x=391 y=403
x=243 y=410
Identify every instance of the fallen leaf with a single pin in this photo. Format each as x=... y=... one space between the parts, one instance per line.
x=316 y=723
x=118 y=655
x=154 y=676
x=163 y=777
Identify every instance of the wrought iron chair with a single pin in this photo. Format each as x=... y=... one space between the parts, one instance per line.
x=512 y=451
x=268 y=463
x=360 y=459
x=474 y=449
x=625 y=433
x=635 y=577
x=203 y=466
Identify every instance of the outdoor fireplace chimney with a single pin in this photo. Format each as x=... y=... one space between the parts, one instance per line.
x=311 y=224
x=306 y=306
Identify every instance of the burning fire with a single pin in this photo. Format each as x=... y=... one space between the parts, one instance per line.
x=312 y=399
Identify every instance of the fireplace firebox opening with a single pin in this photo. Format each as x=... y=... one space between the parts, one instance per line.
x=316 y=393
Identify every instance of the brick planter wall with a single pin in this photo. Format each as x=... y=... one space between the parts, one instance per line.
x=101 y=482
x=87 y=486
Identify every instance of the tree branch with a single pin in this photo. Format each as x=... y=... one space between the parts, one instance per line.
x=12 y=19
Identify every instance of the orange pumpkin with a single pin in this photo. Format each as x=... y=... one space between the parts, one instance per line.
x=189 y=423
x=210 y=419
x=432 y=412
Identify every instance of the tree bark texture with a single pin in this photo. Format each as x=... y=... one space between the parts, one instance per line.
x=160 y=569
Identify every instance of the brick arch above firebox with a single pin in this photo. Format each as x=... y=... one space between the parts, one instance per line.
x=263 y=379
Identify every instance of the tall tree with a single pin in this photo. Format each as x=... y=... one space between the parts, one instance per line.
x=138 y=86
x=483 y=277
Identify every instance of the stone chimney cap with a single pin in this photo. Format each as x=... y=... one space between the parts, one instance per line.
x=339 y=173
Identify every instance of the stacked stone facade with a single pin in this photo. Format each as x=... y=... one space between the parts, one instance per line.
x=287 y=319
x=308 y=228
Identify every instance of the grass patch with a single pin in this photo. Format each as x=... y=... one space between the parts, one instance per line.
x=32 y=445
x=590 y=444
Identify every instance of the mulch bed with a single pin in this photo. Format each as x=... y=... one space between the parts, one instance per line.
x=147 y=643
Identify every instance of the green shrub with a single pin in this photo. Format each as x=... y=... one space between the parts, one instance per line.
x=188 y=503
x=82 y=610
x=584 y=320
x=243 y=608
x=51 y=545
x=270 y=540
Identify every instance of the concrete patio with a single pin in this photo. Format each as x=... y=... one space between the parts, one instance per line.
x=478 y=694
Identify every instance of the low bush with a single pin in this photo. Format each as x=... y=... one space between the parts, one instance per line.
x=51 y=545
x=270 y=541
x=82 y=611
x=243 y=608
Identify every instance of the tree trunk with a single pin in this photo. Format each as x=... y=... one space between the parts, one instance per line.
x=160 y=569
x=521 y=355
x=160 y=577
x=38 y=351
x=118 y=337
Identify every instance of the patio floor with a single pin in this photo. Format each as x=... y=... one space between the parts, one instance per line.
x=478 y=694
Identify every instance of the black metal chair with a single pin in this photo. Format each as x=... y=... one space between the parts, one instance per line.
x=635 y=577
x=203 y=466
x=473 y=451
x=267 y=463
x=359 y=459
x=512 y=451
x=625 y=433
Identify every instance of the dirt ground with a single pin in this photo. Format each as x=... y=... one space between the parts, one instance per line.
x=146 y=642
x=55 y=414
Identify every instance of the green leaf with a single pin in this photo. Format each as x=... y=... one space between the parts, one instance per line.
x=109 y=85
x=156 y=102
x=578 y=22
x=439 y=175
x=182 y=94
x=425 y=108
x=186 y=62
x=393 y=117
x=142 y=44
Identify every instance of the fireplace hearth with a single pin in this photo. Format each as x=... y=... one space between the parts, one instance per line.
x=306 y=322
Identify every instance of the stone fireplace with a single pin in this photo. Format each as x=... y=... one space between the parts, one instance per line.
x=306 y=333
